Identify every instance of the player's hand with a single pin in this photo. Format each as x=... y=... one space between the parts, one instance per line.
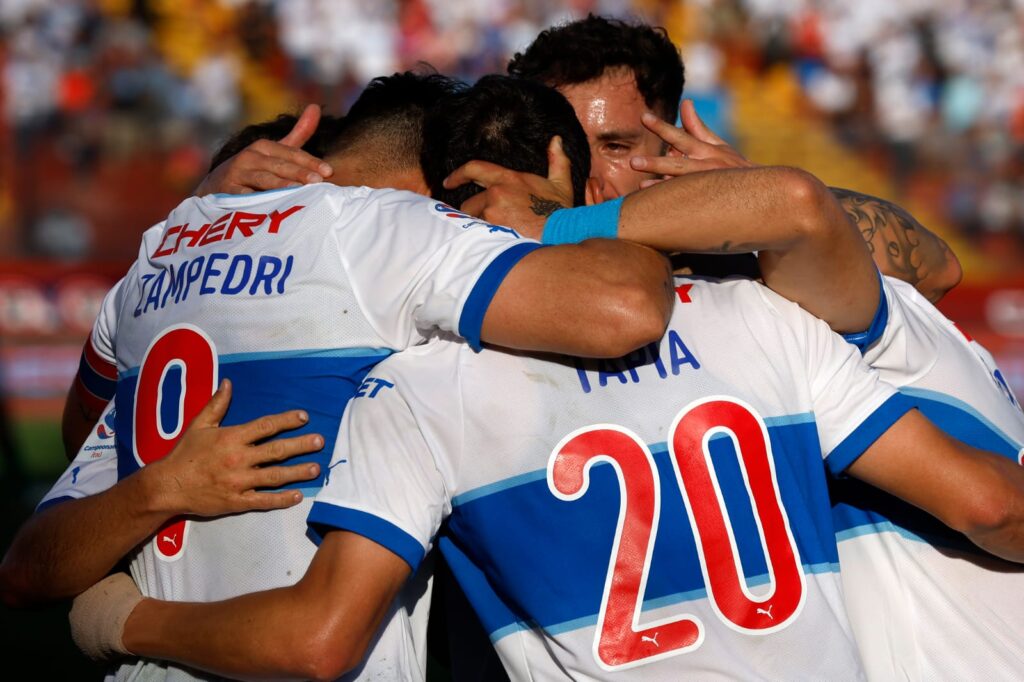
x=98 y=616
x=692 y=148
x=522 y=201
x=266 y=164
x=216 y=470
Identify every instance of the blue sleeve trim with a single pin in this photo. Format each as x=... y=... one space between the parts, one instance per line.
x=573 y=225
x=863 y=340
x=94 y=382
x=480 y=297
x=324 y=517
x=877 y=423
x=46 y=504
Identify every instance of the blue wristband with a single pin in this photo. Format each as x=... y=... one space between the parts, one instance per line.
x=573 y=225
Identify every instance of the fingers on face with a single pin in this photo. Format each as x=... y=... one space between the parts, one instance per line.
x=671 y=166
x=695 y=126
x=671 y=135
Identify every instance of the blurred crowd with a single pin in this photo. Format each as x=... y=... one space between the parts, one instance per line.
x=938 y=83
x=127 y=98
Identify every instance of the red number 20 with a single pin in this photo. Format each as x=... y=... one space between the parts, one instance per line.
x=189 y=350
x=620 y=641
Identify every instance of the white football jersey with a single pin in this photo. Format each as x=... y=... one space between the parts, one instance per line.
x=556 y=489
x=925 y=603
x=294 y=295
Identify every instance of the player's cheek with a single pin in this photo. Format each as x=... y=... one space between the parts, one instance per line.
x=622 y=177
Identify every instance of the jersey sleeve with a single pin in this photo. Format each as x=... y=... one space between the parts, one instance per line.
x=384 y=481
x=96 y=380
x=417 y=265
x=94 y=468
x=852 y=405
x=864 y=340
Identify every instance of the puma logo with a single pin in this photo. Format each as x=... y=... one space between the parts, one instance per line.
x=330 y=468
x=767 y=613
x=652 y=640
x=173 y=540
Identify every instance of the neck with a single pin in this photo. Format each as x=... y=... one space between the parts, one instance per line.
x=349 y=172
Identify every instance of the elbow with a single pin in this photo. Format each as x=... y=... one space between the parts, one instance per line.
x=987 y=514
x=639 y=319
x=639 y=312
x=328 y=654
x=809 y=201
x=950 y=276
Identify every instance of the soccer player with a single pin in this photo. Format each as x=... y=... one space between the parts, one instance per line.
x=294 y=296
x=903 y=573
x=709 y=535
x=614 y=72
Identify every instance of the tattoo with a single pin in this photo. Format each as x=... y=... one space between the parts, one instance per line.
x=899 y=244
x=543 y=207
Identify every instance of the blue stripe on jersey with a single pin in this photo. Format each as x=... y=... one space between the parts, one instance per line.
x=359 y=353
x=319 y=383
x=860 y=509
x=930 y=402
x=862 y=340
x=669 y=600
x=249 y=195
x=486 y=286
x=50 y=503
x=550 y=557
x=847 y=452
x=324 y=517
x=97 y=384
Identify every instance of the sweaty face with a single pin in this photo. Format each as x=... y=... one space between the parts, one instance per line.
x=610 y=108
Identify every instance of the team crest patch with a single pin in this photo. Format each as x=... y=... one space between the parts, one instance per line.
x=105 y=430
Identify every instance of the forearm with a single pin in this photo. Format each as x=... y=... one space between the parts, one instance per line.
x=65 y=548
x=259 y=635
x=1000 y=530
x=901 y=246
x=808 y=250
x=318 y=628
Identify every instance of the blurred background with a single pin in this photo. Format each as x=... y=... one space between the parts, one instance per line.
x=110 y=109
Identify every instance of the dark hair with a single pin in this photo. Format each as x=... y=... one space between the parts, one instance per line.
x=385 y=124
x=275 y=130
x=504 y=120
x=583 y=50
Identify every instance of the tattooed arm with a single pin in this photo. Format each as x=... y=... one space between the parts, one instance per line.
x=900 y=245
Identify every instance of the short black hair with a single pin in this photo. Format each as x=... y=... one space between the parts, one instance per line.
x=275 y=129
x=385 y=124
x=504 y=120
x=583 y=50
